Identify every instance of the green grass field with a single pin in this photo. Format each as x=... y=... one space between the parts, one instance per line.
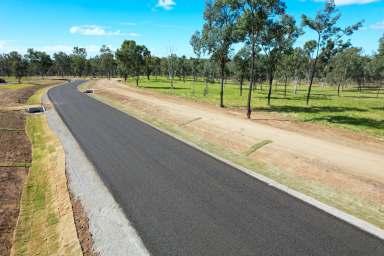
x=353 y=110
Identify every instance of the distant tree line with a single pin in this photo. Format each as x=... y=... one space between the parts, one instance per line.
x=266 y=36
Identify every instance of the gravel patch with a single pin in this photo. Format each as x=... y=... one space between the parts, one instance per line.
x=112 y=232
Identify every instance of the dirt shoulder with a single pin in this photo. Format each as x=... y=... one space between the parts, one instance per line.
x=330 y=164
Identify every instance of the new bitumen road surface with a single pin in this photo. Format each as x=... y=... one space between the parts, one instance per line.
x=182 y=201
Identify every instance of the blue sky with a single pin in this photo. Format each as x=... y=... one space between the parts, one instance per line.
x=159 y=24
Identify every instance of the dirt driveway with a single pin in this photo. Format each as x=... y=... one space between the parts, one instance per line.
x=337 y=158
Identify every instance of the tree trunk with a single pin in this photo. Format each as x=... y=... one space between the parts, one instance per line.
x=251 y=82
x=285 y=86
x=222 y=84
x=338 y=89
x=313 y=70
x=125 y=78
x=148 y=77
x=241 y=87
x=270 y=88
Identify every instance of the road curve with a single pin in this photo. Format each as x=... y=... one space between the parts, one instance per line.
x=184 y=202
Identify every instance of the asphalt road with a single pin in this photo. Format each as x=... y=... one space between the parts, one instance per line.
x=184 y=202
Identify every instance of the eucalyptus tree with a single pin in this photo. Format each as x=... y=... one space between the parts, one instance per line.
x=40 y=62
x=219 y=33
x=5 y=65
x=277 y=38
x=62 y=61
x=253 y=20
x=19 y=65
x=78 y=60
x=107 y=61
x=346 y=64
x=156 y=66
x=242 y=63
x=131 y=59
x=328 y=33
x=148 y=62
x=182 y=66
x=198 y=48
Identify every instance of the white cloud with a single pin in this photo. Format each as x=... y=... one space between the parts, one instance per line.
x=350 y=2
x=378 y=25
x=93 y=30
x=133 y=34
x=166 y=4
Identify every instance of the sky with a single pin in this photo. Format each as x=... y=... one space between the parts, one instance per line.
x=161 y=25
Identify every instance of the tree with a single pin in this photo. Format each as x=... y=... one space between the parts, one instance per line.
x=277 y=38
x=78 y=60
x=107 y=61
x=183 y=67
x=255 y=14
x=219 y=33
x=328 y=34
x=5 y=65
x=149 y=65
x=40 y=62
x=171 y=62
x=19 y=65
x=63 y=63
x=156 y=62
x=241 y=61
x=131 y=58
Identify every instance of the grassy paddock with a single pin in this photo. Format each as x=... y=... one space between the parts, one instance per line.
x=357 y=111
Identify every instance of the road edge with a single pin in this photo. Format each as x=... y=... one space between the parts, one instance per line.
x=110 y=213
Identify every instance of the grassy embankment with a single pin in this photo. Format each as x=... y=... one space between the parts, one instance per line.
x=45 y=225
x=353 y=110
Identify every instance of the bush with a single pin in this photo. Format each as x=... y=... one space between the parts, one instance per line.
x=2 y=81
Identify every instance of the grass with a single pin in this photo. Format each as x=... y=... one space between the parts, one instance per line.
x=33 y=232
x=353 y=110
x=9 y=164
x=367 y=210
x=16 y=86
x=257 y=146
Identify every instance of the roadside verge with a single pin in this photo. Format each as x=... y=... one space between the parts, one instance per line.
x=46 y=224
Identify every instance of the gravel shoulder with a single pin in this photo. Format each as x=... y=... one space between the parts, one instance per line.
x=111 y=230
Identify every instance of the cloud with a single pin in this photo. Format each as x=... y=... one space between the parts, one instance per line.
x=166 y=4
x=378 y=25
x=350 y=2
x=93 y=30
x=133 y=34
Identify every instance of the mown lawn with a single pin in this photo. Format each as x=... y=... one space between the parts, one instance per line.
x=353 y=110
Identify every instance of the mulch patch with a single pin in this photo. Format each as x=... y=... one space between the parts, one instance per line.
x=11 y=186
